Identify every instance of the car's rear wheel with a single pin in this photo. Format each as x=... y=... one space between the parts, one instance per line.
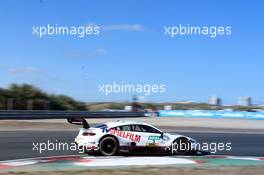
x=181 y=146
x=108 y=146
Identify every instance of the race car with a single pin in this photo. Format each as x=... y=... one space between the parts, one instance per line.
x=115 y=137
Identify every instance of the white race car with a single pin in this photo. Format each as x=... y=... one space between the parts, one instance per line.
x=130 y=137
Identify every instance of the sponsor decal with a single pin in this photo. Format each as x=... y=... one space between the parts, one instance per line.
x=153 y=144
x=105 y=129
x=126 y=135
x=154 y=138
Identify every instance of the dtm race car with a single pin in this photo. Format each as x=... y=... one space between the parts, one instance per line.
x=130 y=137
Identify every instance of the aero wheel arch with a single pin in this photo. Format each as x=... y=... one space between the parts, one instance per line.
x=181 y=146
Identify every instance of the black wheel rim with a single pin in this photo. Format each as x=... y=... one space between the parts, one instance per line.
x=109 y=146
x=180 y=144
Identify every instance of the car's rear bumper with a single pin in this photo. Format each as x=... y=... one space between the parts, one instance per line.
x=93 y=146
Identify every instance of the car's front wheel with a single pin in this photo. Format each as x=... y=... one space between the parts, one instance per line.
x=181 y=146
x=108 y=146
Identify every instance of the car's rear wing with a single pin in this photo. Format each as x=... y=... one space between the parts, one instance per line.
x=79 y=121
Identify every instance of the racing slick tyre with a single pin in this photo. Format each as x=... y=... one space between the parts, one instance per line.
x=181 y=146
x=108 y=146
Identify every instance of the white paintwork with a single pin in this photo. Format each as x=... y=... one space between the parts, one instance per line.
x=19 y=163
x=243 y=158
x=134 y=161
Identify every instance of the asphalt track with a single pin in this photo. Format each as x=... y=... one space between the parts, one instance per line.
x=19 y=144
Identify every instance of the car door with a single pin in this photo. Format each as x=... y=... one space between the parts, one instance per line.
x=149 y=136
x=126 y=135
